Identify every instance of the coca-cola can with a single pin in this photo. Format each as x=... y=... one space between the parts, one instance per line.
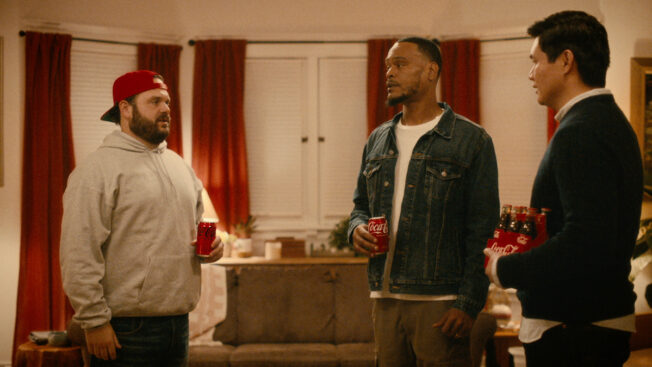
x=205 y=236
x=377 y=226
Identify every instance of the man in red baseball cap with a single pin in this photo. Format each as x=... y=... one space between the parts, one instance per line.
x=131 y=210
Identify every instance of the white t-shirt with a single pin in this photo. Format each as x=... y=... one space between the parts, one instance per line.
x=406 y=140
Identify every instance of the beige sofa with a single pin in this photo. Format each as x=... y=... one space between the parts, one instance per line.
x=298 y=315
x=293 y=315
x=301 y=315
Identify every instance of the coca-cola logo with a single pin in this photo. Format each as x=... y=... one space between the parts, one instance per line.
x=378 y=227
x=206 y=231
x=504 y=250
x=523 y=239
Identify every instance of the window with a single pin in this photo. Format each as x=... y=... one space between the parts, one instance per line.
x=305 y=121
x=93 y=68
x=512 y=116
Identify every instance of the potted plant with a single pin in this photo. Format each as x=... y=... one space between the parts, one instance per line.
x=338 y=238
x=243 y=231
x=228 y=240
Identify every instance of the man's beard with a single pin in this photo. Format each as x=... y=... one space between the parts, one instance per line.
x=147 y=129
x=390 y=102
x=402 y=98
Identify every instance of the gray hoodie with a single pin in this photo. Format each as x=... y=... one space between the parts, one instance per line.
x=130 y=215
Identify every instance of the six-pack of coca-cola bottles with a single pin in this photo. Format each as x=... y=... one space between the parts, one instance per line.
x=520 y=219
x=520 y=228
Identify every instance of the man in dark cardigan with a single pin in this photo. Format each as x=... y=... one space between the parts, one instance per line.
x=578 y=305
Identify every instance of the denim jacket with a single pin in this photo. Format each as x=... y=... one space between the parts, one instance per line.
x=450 y=208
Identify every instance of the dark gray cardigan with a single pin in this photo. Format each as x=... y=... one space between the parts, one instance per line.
x=591 y=177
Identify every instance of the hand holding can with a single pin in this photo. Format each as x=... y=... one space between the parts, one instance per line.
x=377 y=227
x=206 y=232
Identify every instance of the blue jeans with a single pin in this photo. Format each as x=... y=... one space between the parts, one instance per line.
x=149 y=342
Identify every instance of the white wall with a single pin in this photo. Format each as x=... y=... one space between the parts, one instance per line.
x=627 y=23
x=12 y=116
x=630 y=35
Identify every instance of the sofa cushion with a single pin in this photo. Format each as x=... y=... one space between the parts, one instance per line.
x=227 y=330
x=356 y=354
x=285 y=355
x=285 y=304
x=352 y=305
x=209 y=356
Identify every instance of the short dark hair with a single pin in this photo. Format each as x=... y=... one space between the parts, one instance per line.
x=430 y=48
x=114 y=112
x=581 y=33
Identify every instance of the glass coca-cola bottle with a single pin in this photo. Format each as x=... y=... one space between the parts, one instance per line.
x=505 y=214
x=529 y=226
x=542 y=220
x=514 y=225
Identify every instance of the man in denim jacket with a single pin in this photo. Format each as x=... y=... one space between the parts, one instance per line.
x=433 y=175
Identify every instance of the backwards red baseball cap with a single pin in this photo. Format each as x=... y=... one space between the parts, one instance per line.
x=129 y=85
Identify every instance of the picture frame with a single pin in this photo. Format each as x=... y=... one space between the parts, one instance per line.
x=2 y=112
x=641 y=114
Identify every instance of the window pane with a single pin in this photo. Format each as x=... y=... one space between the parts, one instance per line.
x=342 y=122
x=518 y=128
x=274 y=112
x=93 y=68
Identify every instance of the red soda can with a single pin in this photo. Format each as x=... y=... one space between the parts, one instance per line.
x=377 y=226
x=205 y=236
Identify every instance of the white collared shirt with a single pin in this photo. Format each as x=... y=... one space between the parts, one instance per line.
x=592 y=93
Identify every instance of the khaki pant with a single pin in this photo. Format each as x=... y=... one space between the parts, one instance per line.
x=404 y=335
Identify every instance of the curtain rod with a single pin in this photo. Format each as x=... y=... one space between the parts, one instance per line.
x=23 y=33
x=515 y=38
x=192 y=42
x=280 y=42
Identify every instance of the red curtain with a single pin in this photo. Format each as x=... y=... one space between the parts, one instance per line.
x=552 y=123
x=219 y=154
x=48 y=159
x=460 y=77
x=377 y=110
x=164 y=59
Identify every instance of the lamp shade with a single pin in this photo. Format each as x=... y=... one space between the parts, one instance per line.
x=209 y=209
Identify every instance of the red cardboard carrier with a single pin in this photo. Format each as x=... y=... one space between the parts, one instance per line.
x=505 y=242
